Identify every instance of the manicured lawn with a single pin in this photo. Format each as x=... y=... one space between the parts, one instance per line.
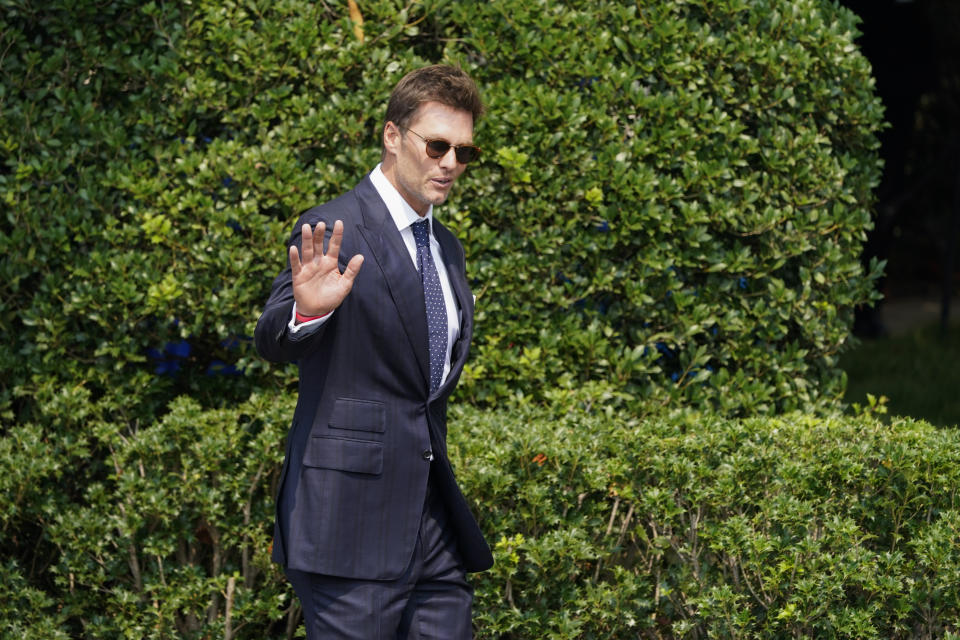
x=918 y=372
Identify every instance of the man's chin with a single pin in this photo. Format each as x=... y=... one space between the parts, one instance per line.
x=436 y=199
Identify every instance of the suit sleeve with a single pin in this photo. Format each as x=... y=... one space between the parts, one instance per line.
x=273 y=337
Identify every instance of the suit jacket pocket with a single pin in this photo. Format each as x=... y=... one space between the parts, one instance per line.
x=358 y=456
x=358 y=415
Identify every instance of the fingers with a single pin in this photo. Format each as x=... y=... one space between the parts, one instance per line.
x=295 y=265
x=306 y=242
x=336 y=238
x=311 y=243
x=318 y=239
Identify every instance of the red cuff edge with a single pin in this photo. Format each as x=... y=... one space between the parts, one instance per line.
x=302 y=318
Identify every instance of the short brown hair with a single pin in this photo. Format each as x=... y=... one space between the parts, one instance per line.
x=437 y=83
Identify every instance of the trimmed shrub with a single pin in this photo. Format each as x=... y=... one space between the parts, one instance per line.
x=672 y=199
x=603 y=526
x=694 y=526
x=682 y=192
x=173 y=541
x=669 y=210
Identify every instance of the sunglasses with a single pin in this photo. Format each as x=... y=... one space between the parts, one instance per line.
x=465 y=153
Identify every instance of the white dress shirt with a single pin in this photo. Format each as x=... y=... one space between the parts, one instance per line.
x=403 y=217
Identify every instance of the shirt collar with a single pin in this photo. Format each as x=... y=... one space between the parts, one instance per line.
x=402 y=213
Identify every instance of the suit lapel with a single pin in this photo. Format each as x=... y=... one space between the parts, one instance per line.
x=453 y=260
x=398 y=270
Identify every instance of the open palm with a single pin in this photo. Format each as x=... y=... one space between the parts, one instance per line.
x=318 y=285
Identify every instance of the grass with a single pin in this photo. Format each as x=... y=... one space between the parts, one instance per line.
x=919 y=373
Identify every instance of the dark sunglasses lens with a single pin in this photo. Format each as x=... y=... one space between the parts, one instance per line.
x=464 y=153
x=467 y=154
x=437 y=148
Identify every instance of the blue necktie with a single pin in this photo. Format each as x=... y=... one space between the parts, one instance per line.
x=433 y=297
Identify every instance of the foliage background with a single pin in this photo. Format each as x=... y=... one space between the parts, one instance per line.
x=672 y=200
x=668 y=213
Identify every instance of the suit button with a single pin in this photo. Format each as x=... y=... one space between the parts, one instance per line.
x=427 y=454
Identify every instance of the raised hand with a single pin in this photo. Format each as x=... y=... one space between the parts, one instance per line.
x=318 y=285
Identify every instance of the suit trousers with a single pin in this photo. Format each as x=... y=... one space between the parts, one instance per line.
x=431 y=600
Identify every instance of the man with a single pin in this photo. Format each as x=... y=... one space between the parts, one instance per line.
x=372 y=529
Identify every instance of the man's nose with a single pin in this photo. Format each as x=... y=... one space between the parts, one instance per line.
x=449 y=159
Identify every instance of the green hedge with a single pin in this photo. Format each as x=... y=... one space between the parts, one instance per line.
x=669 y=211
x=682 y=192
x=696 y=526
x=603 y=526
x=672 y=198
x=170 y=542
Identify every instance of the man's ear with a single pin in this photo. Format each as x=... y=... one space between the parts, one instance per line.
x=391 y=138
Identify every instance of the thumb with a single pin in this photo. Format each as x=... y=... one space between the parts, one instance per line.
x=353 y=268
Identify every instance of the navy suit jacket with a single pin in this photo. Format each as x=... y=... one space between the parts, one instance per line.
x=355 y=473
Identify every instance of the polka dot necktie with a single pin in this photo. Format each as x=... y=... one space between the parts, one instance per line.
x=433 y=297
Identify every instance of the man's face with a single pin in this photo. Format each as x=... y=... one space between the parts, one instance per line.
x=420 y=179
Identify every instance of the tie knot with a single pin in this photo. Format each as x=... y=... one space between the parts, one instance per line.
x=421 y=232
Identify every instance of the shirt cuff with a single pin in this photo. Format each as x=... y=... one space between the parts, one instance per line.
x=300 y=327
